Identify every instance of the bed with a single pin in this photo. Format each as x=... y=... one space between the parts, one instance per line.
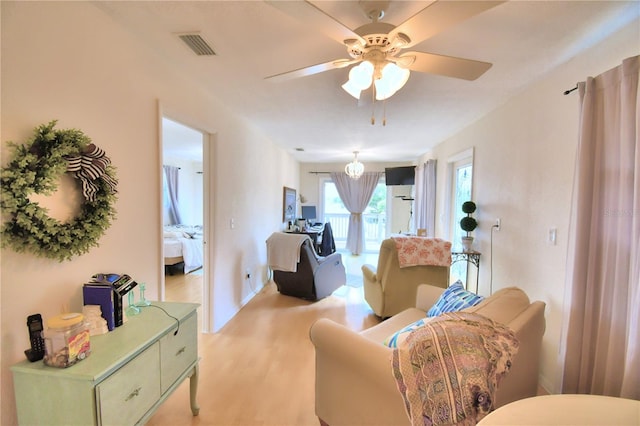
x=183 y=245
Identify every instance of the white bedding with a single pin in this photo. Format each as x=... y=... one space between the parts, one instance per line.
x=172 y=247
x=185 y=242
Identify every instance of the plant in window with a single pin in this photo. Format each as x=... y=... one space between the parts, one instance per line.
x=468 y=224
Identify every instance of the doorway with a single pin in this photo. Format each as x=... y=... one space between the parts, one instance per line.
x=183 y=213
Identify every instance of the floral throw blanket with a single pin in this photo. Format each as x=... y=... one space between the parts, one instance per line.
x=413 y=251
x=448 y=370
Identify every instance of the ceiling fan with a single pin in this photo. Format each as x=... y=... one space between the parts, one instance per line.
x=377 y=45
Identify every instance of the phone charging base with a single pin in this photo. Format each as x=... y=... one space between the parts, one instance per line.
x=34 y=356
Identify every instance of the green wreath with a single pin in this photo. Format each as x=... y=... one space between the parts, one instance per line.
x=35 y=168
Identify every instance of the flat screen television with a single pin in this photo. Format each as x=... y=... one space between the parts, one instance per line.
x=309 y=213
x=405 y=175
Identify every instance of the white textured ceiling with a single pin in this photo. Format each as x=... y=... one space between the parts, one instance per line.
x=253 y=40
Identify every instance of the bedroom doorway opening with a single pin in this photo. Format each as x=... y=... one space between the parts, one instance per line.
x=184 y=223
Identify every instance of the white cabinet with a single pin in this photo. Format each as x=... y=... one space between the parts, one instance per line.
x=130 y=372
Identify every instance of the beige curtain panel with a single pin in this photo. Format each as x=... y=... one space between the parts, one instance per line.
x=425 y=197
x=602 y=327
x=356 y=194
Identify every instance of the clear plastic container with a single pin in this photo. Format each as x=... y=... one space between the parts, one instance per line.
x=66 y=340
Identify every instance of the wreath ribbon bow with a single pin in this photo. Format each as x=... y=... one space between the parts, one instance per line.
x=90 y=166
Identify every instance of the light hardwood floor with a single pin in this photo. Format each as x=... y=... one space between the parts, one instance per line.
x=259 y=369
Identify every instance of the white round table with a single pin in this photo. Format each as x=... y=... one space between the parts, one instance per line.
x=556 y=410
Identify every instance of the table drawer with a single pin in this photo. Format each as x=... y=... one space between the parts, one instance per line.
x=124 y=397
x=178 y=352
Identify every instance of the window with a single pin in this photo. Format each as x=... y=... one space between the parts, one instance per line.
x=462 y=192
x=374 y=217
x=460 y=180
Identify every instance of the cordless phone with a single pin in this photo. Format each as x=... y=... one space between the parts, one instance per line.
x=34 y=324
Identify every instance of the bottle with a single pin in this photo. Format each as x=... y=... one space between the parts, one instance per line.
x=132 y=309
x=143 y=301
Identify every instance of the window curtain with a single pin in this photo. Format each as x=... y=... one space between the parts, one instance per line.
x=602 y=321
x=171 y=174
x=425 y=197
x=355 y=195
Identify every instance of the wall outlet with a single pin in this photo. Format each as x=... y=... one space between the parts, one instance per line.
x=552 y=237
x=497 y=224
x=247 y=274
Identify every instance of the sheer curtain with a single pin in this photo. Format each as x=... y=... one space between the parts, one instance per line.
x=425 y=196
x=171 y=174
x=602 y=327
x=356 y=194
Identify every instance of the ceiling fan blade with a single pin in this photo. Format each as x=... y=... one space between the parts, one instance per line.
x=439 y=16
x=313 y=69
x=449 y=66
x=311 y=15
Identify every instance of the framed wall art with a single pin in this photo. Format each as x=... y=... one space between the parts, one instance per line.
x=288 y=204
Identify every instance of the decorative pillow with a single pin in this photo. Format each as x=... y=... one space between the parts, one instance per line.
x=454 y=298
x=399 y=336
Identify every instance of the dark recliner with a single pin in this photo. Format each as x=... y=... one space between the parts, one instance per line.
x=316 y=277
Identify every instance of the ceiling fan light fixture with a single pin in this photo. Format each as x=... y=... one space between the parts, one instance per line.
x=392 y=79
x=351 y=89
x=360 y=78
x=362 y=75
x=354 y=169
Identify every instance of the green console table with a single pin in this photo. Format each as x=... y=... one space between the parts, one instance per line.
x=129 y=373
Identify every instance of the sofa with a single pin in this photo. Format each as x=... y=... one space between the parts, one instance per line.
x=354 y=380
x=390 y=289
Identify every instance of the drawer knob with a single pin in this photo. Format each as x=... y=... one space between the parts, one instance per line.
x=181 y=350
x=133 y=394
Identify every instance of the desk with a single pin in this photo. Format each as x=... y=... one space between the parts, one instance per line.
x=314 y=233
x=472 y=257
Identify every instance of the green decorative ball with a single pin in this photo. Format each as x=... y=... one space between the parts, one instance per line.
x=468 y=224
x=468 y=207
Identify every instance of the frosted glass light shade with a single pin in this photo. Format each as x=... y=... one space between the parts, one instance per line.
x=352 y=89
x=393 y=79
x=387 y=81
x=360 y=78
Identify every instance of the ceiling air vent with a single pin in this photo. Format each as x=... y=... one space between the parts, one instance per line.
x=196 y=43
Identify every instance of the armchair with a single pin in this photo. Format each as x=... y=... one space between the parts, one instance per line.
x=390 y=289
x=315 y=277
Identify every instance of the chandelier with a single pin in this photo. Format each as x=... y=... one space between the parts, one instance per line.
x=355 y=168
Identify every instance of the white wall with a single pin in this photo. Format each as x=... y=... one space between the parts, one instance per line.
x=523 y=171
x=69 y=61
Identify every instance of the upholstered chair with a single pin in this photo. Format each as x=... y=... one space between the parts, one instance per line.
x=390 y=289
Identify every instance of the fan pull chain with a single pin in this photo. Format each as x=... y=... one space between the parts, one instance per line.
x=384 y=112
x=373 y=106
x=373 y=109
